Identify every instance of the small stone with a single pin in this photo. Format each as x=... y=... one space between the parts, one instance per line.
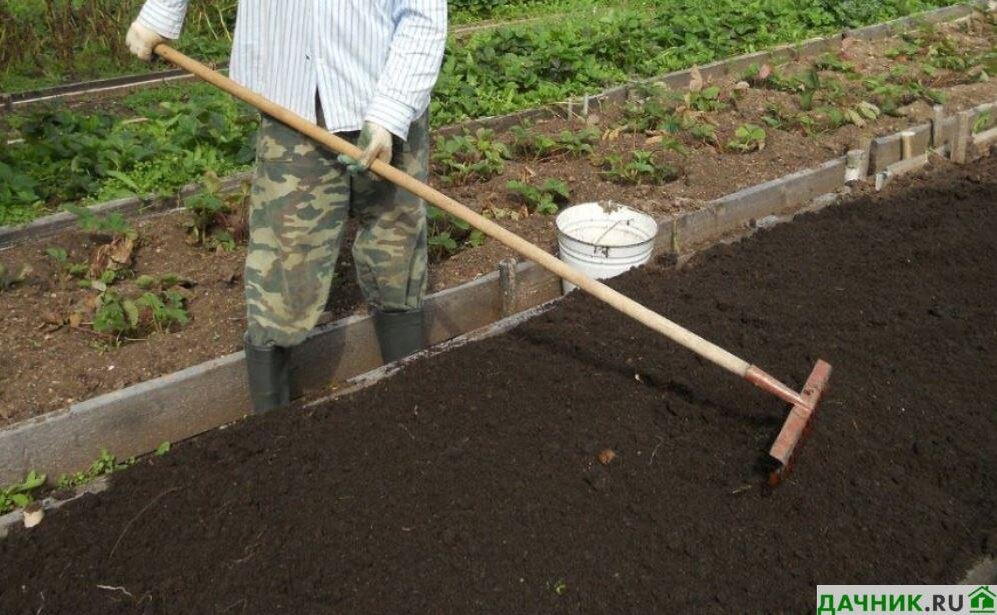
x=33 y=514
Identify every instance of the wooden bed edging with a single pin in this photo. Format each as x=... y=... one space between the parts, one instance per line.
x=364 y=380
x=136 y=419
x=129 y=206
x=134 y=206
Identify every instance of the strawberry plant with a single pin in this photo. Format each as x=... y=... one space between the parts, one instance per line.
x=121 y=317
x=748 y=138
x=639 y=167
x=448 y=234
x=544 y=198
x=539 y=146
x=463 y=158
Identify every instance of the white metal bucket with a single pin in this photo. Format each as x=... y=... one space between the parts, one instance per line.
x=604 y=239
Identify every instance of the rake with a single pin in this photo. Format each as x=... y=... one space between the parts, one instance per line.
x=804 y=404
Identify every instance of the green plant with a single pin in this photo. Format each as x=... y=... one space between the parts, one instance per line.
x=115 y=315
x=113 y=224
x=106 y=463
x=462 y=158
x=831 y=62
x=748 y=138
x=448 y=235
x=982 y=122
x=706 y=99
x=704 y=131
x=122 y=317
x=211 y=208
x=539 y=146
x=640 y=167
x=166 y=308
x=163 y=448
x=61 y=257
x=74 y=157
x=20 y=494
x=544 y=198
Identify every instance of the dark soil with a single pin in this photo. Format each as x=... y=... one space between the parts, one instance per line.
x=471 y=482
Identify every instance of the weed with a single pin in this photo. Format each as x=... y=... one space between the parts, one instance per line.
x=466 y=157
x=748 y=138
x=211 y=208
x=981 y=123
x=111 y=225
x=145 y=282
x=831 y=62
x=61 y=257
x=20 y=494
x=544 y=199
x=640 y=167
x=163 y=448
x=106 y=463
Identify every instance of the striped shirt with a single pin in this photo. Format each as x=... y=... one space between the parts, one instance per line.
x=373 y=60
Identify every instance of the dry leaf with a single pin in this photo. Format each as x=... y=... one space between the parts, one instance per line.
x=765 y=71
x=607 y=456
x=75 y=320
x=121 y=251
x=695 y=79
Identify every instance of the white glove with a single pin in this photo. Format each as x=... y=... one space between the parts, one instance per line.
x=375 y=141
x=141 y=40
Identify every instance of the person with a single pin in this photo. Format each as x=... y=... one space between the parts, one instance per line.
x=363 y=69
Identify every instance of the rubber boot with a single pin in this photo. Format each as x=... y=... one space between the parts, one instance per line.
x=398 y=333
x=269 y=376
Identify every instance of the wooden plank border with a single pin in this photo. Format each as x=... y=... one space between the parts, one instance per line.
x=134 y=420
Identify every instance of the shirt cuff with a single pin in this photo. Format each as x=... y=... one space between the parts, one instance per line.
x=394 y=115
x=165 y=17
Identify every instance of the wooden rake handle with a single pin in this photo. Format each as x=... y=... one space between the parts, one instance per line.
x=620 y=302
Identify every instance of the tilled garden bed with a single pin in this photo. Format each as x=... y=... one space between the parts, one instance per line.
x=472 y=482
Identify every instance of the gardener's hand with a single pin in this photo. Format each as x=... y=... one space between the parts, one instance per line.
x=375 y=141
x=142 y=40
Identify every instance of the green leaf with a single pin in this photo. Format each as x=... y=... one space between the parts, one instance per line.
x=163 y=448
x=131 y=311
x=145 y=282
x=57 y=254
x=127 y=181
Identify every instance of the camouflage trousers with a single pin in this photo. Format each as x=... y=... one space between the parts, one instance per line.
x=301 y=199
